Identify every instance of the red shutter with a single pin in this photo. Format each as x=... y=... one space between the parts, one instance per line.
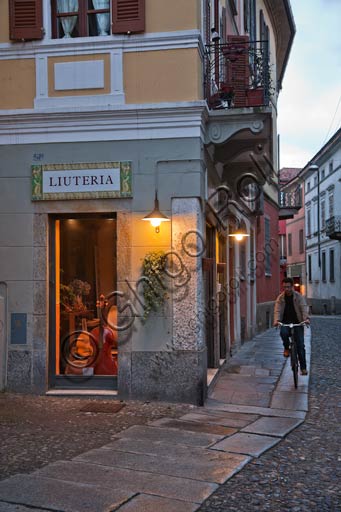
x=128 y=16
x=238 y=72
x=26 y=19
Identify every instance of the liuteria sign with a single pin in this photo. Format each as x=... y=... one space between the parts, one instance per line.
x=81 y=181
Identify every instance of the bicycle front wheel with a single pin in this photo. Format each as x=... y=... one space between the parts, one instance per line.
x=294 y=363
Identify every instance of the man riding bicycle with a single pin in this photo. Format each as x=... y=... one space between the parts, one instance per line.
x=291 y=308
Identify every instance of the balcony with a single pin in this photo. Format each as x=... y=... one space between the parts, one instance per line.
x=333 y=227
x=289 y=203
x=237 y=74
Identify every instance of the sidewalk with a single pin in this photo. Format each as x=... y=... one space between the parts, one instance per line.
x=175 y=465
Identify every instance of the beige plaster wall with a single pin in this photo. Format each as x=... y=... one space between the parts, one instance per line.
x=17 y=83
x=162 y=76
x=4 y=24
x=166 y=16
x=86 y=92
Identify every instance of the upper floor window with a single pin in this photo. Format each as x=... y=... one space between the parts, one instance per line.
x=323 y=214
x=315 y=181
x=322 y=174
x=331 y=205
x=289 y=244
x=308 y=186
x=331 y=167
x=301 y=241
x=76 y=18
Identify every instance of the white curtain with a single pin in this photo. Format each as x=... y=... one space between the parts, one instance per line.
x=69 y=22
x=103 y=19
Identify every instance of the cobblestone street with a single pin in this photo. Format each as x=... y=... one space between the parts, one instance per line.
x=302 y=473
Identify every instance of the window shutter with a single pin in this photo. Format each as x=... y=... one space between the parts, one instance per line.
x=128 y=16
x=26 y=19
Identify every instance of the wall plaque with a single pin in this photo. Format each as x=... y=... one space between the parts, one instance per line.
x=81 y=181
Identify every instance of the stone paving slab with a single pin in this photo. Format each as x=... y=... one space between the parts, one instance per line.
x=62 y=496
x=128 y=480
x=248 y=444
x=194 y=466
x=172 y=435
x=226 y=419
x=147 y=503
x=262 y=411
x=193 y=426
x=171 y=450
x=8 y=507
x=292 y=400
x=278 y=427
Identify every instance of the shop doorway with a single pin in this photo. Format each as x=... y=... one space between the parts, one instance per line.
x=83 y=339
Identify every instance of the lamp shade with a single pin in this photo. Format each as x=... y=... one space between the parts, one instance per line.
x=156 y=217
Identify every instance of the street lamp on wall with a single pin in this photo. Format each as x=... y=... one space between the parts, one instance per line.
x=156 y=216
x=240 y=231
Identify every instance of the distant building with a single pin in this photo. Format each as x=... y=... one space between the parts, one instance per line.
x=286 y=175
x=322 y=185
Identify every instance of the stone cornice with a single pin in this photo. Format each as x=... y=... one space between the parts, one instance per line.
x=91 y=45
x=123 y=122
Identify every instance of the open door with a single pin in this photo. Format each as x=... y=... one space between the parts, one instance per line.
x=83 y=348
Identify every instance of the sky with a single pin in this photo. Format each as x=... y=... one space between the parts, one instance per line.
x=309 y=106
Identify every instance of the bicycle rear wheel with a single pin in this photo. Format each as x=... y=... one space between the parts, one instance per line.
x=294 y=362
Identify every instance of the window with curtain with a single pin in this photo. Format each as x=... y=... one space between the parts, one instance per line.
x=89 y=18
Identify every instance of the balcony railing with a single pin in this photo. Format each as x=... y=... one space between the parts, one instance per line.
x=237 y=73
x=291 y=200
x=333 y=227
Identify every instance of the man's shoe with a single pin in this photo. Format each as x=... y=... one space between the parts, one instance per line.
x=286 y=352
x=304 y=372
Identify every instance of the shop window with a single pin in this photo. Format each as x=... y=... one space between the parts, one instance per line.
x=84 y=333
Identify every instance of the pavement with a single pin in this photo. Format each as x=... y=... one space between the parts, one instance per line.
x=176 y=464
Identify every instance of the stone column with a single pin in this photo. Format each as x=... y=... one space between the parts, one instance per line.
x=188 y=238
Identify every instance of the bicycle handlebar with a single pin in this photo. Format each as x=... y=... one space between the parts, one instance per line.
x=293 y=325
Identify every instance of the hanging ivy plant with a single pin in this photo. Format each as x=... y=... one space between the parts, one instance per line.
x=154 y=292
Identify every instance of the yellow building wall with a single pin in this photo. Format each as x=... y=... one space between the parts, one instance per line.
x=17 y=84
x=162 y=76
x=166 y=16
x=4 y=21
x=79 y=92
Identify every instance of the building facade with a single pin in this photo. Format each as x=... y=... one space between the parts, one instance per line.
x=322 y=184
x=108 y=110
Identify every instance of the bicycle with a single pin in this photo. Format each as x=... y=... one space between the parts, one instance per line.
x=293 y=349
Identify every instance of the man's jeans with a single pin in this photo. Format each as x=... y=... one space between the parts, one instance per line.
x=299 y=337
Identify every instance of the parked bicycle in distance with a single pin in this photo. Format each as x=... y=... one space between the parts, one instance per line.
x=293 y=348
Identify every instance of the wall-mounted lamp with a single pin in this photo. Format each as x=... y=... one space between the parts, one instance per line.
x=156 y=217
x=240 y=232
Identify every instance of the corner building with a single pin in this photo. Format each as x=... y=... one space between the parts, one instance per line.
x=102 y=105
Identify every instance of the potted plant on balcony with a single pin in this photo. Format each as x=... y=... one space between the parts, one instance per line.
x=226 y=93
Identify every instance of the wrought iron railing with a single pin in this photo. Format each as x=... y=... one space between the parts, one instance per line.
x=291 y=199
x=333 y=227
x=237 y=73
